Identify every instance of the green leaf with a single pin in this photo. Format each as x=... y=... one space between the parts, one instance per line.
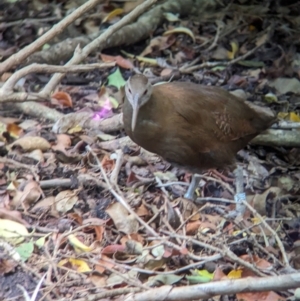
x=218 y=68
x=41 y=241
x=205 y=273
x=200 y=276
x=116 y=79
x=197 y=279
x=25 y=250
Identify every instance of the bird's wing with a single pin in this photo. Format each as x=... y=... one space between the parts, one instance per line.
x=210 y=115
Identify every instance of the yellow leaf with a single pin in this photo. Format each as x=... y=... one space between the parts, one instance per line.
x=75 y=129
x=78 y=245
x=294 y=117
x=181 y=30
x=81 y=265
x=234 y=49
x=238 y=232
x=235 y=274
x=114 y=13
x=140 y=58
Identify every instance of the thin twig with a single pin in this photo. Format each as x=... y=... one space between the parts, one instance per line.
x=278 y=240
x=118 y=197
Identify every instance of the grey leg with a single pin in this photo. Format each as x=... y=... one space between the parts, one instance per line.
x=240 y=195
x=190 y=194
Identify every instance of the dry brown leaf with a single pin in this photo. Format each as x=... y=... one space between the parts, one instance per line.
x=30 y=194
x=122 y=220
x=14 y=130
x=158 y=44
x=65 y=200
x=29 y=144
x=260 y=200
x=47 y=202
x=120 y=61
x=62 y=98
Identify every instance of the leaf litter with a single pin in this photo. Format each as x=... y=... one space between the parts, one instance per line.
x=56 y=209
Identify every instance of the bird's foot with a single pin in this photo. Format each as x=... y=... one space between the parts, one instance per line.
x=190 y=194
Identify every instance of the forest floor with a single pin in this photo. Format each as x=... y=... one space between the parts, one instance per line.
x=92 y=216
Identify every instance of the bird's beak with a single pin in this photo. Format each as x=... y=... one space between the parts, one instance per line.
x=135 y=111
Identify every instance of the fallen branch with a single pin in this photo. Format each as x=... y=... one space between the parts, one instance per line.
x=208 y=290
x=6 y=92
x=20 y=56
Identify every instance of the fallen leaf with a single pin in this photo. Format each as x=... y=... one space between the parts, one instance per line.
x=29 y=143
x=116 y=79
x=116 y=12
x=65 y=200
x=63 y=99
x=184 y=30
x=12 y=232
x=120 y=61
x=121 y=218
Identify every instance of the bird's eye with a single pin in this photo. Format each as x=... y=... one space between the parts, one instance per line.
x=145 y=92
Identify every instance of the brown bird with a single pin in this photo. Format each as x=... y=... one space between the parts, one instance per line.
x=192 y=126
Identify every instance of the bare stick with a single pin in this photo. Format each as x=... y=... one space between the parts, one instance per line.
x=279 y=242
x=19 y=57
x=118 y=197
x=44 y=68
x=214 y=288
x=97 y=43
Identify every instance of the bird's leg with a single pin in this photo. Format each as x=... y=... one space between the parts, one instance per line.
x=190 y=194
x=240 y=195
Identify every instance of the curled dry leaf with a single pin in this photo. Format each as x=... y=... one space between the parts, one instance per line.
x=67 y=156
x=78 y=265
x=70 y=121
x=62 y=98
x=45 y=203
x=116 y=12
x=260 y=200
x=78 y=245
x=65 y=200
x=36 y=155
x=122 y=220
x=12 y=231
x=14 y=130
x=158 y=44
x=171 y=17
x=29 y=144
x=30 y=193
x=120 y=61
x=184 y=30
